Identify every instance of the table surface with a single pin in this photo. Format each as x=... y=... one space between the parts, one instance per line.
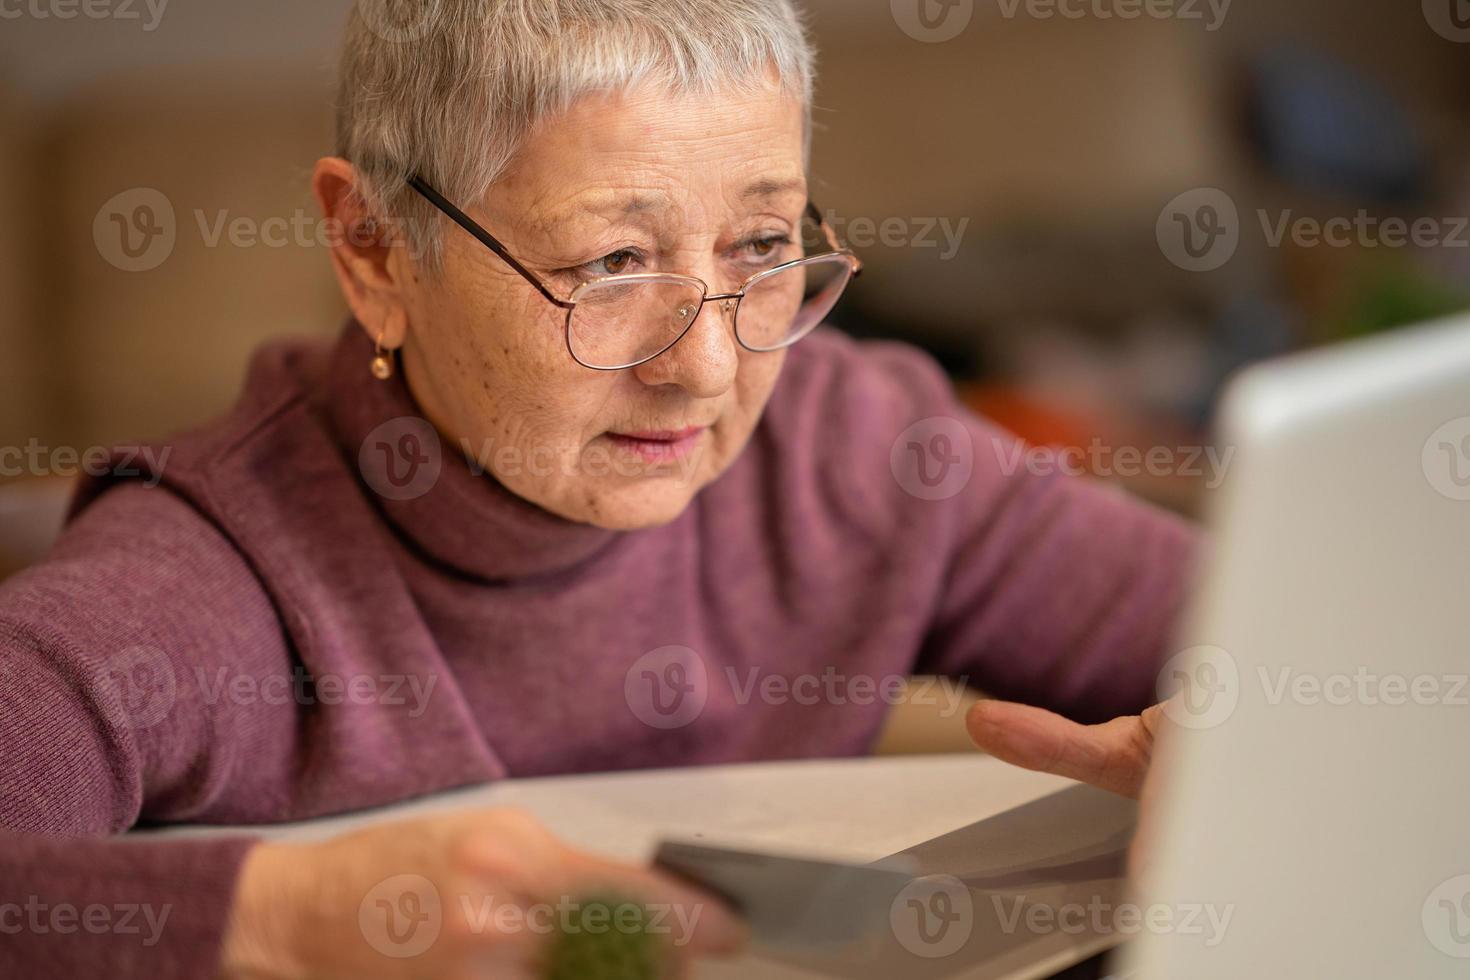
x=843 y=809
x=855 y=810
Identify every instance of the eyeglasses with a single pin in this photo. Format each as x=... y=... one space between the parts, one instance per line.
x=619 y=322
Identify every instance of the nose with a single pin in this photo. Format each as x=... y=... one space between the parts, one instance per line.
x=705 y=359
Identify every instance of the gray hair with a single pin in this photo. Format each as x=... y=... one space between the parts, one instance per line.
x=450 y=89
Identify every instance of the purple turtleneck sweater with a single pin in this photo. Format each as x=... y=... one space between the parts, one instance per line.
x=287 y=619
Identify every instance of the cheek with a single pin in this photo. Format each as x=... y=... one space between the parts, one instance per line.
x=755 y=382
x=503 y=353
x=528 y=392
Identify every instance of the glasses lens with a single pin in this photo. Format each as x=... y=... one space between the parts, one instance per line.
x=618 y=323
x=783 y=307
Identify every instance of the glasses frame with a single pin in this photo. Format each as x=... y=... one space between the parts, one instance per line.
x=569 y=304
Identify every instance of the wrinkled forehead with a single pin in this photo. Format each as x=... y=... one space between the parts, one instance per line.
x=645 y=153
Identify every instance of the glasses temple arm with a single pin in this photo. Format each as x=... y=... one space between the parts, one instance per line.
x=815 y=213
x=485 y=238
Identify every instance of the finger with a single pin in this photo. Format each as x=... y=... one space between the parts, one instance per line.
x=697 y=922
x=1143 y=847
x=530 y=864
x=1113 y=756
x=478 y=968
x=515 y=917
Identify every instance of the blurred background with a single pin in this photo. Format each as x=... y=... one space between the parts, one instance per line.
x=1092 y=211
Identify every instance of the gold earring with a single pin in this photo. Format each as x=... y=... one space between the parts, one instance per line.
x=382 y=365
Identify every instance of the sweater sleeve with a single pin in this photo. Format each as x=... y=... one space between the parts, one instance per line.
x=1030 y=584
x=105 y=722
x=1059 y=590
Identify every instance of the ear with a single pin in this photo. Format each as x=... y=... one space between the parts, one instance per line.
x=368 y=255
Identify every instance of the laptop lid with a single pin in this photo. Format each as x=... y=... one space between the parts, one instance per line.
x=1316 y=796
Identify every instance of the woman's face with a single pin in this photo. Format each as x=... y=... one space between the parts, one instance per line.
x=711 y=186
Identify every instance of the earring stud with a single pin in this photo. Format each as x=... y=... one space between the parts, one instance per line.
x=382 y=366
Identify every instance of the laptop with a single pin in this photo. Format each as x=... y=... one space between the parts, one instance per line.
x=1314 y=791
x=1315 y=794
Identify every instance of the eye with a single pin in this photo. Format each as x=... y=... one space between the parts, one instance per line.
x=614 y=263
x=765 y=247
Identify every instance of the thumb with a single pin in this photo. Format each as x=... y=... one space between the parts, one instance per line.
x=1113 y=756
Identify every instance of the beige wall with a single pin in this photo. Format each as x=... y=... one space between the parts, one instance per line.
x=148 y=351
x=1069 y=127
x=25 y=371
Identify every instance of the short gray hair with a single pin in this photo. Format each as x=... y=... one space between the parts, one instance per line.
x=449 y=89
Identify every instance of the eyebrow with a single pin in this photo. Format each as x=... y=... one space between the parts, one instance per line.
x=636 y=204
x=767 y=187
x=626 y=205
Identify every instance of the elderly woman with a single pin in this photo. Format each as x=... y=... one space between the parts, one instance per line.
x=580 y=477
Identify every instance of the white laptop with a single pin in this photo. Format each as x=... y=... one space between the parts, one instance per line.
x=1319 y=793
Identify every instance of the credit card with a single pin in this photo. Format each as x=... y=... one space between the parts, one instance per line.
x=794 y=904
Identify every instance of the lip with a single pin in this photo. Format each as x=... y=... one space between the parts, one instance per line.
x=662 y=435
x=659 y=445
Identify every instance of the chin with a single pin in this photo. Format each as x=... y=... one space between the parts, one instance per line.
x=635 y=505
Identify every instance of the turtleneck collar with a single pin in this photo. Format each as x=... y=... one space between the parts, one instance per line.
x=430 y=489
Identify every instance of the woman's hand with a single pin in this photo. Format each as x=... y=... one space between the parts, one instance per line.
x=1114 y=756
x=468 y=895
